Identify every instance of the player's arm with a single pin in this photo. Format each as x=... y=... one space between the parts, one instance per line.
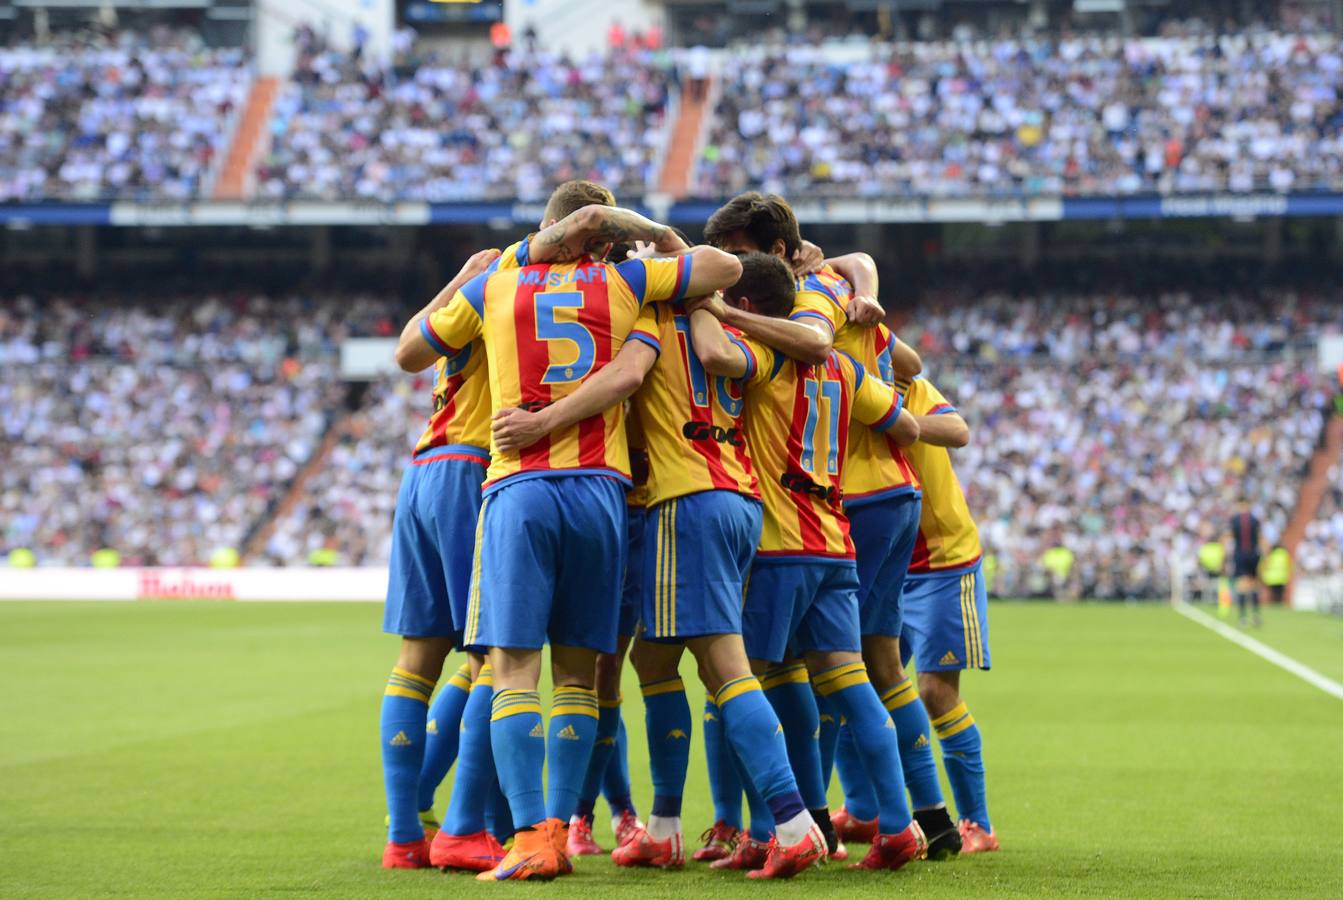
x=946 y=429
x=517 y=429
x=877 y=405
x=860 y=270
x=716 y=350
x=801 y=340
x=593 y=226
x=414 y=353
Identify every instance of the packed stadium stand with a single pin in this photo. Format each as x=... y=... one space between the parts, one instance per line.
x=1318 y=553
x=129 y=115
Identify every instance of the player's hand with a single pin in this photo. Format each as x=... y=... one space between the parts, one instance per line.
x=643 y=250
x=478 y=263
x=807 y=259
x=710 y=303
x=516 y=429
x=865 y=312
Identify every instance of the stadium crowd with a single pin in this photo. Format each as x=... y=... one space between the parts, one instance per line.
x=1083 y=115
x=1321 y=550
x=346 y=128
x=161 y=430
x=130 y=115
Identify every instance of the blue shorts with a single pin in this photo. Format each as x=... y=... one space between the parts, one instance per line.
x=631 y=593
x=947 y=620
x=433 y=542
x=796 y=606
x=884 y=533
x=697 y=553
x=550 y=565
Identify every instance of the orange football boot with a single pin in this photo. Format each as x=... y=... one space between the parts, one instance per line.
x=533 y=856
x=853 y=830
x=748 y=854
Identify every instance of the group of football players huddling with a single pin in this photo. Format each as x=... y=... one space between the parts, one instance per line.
x=641 y=447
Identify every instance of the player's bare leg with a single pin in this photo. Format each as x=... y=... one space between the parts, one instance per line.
x=962 y=756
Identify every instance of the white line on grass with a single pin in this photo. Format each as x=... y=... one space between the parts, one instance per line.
x=1261 y=650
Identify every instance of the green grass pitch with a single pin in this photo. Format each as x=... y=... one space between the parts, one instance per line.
x=214 y=749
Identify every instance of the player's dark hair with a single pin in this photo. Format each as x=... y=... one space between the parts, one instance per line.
x=572 y=196
x=764 y=218
x=767 y=282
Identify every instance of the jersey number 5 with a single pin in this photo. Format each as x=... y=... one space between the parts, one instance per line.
x=816 y=391
x=549 y=329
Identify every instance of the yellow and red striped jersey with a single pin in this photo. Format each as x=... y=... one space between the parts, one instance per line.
x=797 y=427
x=461 y=386
x=948 y=537
x=691 y=420
x=879 y=469
x=547 y=328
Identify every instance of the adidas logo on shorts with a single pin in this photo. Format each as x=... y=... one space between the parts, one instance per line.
x=948 y=659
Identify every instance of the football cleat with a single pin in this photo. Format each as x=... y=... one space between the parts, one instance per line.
x=559 y=838
x=580 y=838
x=533 y=856
x=893 y=851
x=410 y=855
x=944 y=840
x=785 y=862
x=975 y=839
x=718 y=842
x=840 y=853
x=748 y=854
x=477 y=852
x=625 y=825
x=641 y=849
x=855 y=831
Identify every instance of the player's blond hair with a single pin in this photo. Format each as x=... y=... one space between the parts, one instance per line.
x=572 y=196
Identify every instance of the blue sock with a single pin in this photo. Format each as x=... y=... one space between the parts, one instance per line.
x=573 y=728
x=518 y=741
x=441 y=733
x=756 y=735
x=762 y=820
x=616 y=782
x=667 y=719
x=789 y=692
x=828 y=739
x=474 y=782
x=603 y=751
x=724 y=782
x=963 y=757
x=859 y=797
x=498 y=817
x=405 y=709
x=847 y=687
x=916 y=744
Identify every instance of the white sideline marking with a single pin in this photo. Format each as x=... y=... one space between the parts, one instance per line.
x=1261 y=650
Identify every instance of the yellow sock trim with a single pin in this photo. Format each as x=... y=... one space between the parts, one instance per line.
x=574 y=701
x=514 y=703
x=461 y=679
x=485 y=677
x=610 y=704
x=790 y=674
x=902 y=694
x=840 y=677
x=735 y=688
x=402 y=683
x=666 y=686
x=954 y=722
